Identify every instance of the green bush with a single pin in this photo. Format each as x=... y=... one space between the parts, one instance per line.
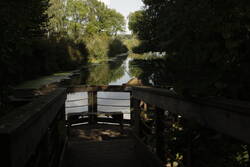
x=97 y=46
x=116 y=47
x=101 y=47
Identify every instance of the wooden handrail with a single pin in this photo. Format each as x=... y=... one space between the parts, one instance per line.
x=111 y=98
x=76 y=100
x=230 y=117
x=22 y=131
x=89 y=88
x=104 y=105
x=229 y=104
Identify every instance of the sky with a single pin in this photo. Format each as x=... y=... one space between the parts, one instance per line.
x=124 y=6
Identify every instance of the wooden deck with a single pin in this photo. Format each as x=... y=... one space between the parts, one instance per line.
x=100 y=146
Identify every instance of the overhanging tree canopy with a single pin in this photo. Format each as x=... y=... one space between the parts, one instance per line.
x=206 y=43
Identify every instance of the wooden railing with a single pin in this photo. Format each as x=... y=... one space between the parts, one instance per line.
x=228 y=117
x=34 y=135
x=89 y=88
x=91 y=116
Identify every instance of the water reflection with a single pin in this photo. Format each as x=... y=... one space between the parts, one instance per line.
x=120 y=69
x=152 y=72
x=112 y=72
x=116 y=71
x=105 y=73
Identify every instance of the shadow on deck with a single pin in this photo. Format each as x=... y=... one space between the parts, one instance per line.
x=100 y=146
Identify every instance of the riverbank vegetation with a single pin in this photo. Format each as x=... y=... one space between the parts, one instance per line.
x=46 y=36
x=131 y=42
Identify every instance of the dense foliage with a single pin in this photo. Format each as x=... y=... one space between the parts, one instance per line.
x=206 y=43
x=91 y=22
x=79 y=18
x=134 y=19
x=20 y=23
x=116 y=47
x=45 y=36
x=131 y=42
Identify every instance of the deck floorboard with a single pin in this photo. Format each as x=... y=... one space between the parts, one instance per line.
x=100 y=146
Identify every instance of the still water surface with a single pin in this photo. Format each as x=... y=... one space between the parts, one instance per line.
x=113 y=72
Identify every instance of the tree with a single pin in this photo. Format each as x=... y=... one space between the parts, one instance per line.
x=135 y=19
x=205 y=41
x=80 y=18
x=115 y=22
x=57 y=15
x=105 y=20
x=20 y=23
x=77 y=18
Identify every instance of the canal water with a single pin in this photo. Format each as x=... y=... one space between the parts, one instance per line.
x=115 y=71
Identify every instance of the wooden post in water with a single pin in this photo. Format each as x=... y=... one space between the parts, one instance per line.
x=160 y=144
x=92 y=107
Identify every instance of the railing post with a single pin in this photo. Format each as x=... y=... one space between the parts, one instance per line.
x=135 y=116
x=160 y=144
x=45 y=150
x=92 y=107
x=131 y=109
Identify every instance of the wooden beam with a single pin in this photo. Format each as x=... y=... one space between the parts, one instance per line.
x=22 y=131
x=226 y=116
x=107 y=88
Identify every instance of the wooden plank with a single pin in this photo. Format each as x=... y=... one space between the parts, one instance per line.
x=226 y=116
x=25 y=127
x=108 y=88
x=110 y=152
